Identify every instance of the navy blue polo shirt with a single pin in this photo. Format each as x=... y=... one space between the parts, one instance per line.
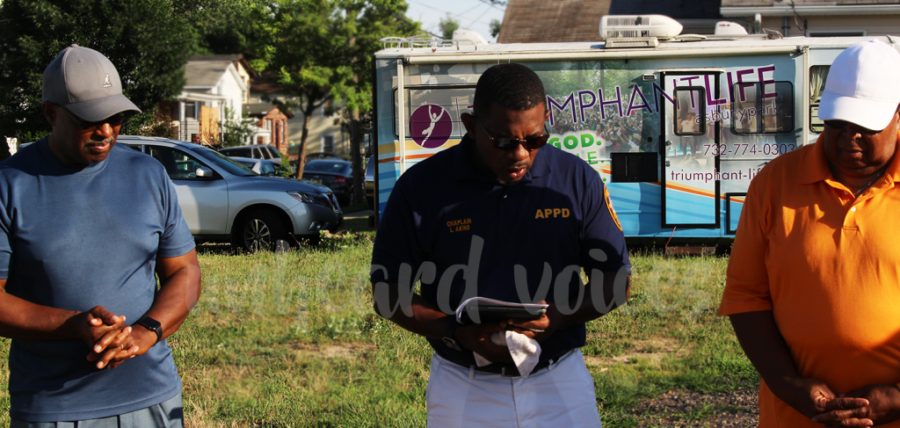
x=479 y=232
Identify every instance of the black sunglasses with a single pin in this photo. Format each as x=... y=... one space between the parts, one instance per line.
x=507 y=143
x=114 y=120
x=841 y=124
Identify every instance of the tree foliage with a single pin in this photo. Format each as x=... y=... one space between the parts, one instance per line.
x=236 y=131
x=220 y=26
x=448 y=25
x=317 y=50
x=495 y=27
x=146 y=40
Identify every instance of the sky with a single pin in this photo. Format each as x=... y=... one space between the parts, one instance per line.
x=474 y=15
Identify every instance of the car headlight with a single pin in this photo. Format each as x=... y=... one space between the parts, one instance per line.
x=311 y=198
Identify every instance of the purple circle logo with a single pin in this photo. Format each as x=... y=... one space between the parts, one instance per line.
x=430 y=126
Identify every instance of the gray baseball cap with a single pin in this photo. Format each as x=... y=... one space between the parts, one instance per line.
x=85 y=82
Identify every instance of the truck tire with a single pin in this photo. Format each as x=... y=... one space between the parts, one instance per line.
x=259 y=230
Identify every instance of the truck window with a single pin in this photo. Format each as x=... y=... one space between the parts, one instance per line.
x=690 y=110
x=817 y=75
x=762 y=108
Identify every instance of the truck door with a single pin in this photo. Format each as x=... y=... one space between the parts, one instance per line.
x=690 y=189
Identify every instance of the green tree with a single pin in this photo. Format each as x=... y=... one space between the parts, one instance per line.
x=448 y=25
x=317 y=50
x=146 y=40
x=220 y=26
x=236 y=131
x=495 y=27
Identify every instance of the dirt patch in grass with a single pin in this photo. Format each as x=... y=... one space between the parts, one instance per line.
x=654 y=350
x=694 y=409
x=333 y=350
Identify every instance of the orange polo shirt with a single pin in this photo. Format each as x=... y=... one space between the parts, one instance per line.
x=828 y=266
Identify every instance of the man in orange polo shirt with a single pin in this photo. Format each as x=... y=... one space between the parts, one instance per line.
x=813 y=287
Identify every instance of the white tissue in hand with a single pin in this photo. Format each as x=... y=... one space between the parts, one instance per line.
x=524 y=351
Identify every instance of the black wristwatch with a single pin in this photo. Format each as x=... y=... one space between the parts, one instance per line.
x=152 y=325
x=448 y=336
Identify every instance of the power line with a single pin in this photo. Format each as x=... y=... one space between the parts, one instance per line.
x=471 y=9
x=494 y=4
x=475 y=20
x=455 y=15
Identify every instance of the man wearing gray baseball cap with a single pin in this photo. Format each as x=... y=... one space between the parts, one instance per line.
x=84 y=226
x=813 y=285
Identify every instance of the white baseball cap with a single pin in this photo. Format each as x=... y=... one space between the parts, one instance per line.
x=85 y=82
x=862 y=86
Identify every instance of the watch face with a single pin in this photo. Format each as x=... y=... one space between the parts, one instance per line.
x=150 y=323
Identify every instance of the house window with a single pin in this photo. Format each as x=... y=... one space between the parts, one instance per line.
x=328 y=143
x=190 y=110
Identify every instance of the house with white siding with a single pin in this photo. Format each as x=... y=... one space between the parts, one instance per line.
x=817 y=18
x=215 y=91
x=325 y=135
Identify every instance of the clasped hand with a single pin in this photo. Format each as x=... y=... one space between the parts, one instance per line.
x=477 y=337
x=864 y=407
x=111 y=341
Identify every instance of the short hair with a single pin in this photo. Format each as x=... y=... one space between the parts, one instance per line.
x=513 y=86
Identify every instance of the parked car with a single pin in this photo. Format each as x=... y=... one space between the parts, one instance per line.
x=224 y=201
x=267 y=167
x=335 y=174
x=320 y=155
x=370 y=182
x=256 y=151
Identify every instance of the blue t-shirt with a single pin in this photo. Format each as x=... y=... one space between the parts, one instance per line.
x=74 y=238
x=551 y=223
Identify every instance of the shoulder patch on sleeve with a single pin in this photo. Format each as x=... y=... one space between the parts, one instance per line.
x=609 y=206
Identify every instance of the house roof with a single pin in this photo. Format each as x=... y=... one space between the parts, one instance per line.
x=540 y=21
x=532 y=21
x=677 y=9
x=203 y=73
x=262 y=109
x=262 y=85
x=236 y=59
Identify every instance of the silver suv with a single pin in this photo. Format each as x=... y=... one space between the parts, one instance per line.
x=256 y=151
x=224 y=201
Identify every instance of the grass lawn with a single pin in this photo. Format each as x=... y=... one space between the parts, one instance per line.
x=290 y=341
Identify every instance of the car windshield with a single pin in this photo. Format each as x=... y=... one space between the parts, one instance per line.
x=332 y=167
x=222 y=161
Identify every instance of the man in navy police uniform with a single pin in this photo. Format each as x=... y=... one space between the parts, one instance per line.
x=502 y=215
